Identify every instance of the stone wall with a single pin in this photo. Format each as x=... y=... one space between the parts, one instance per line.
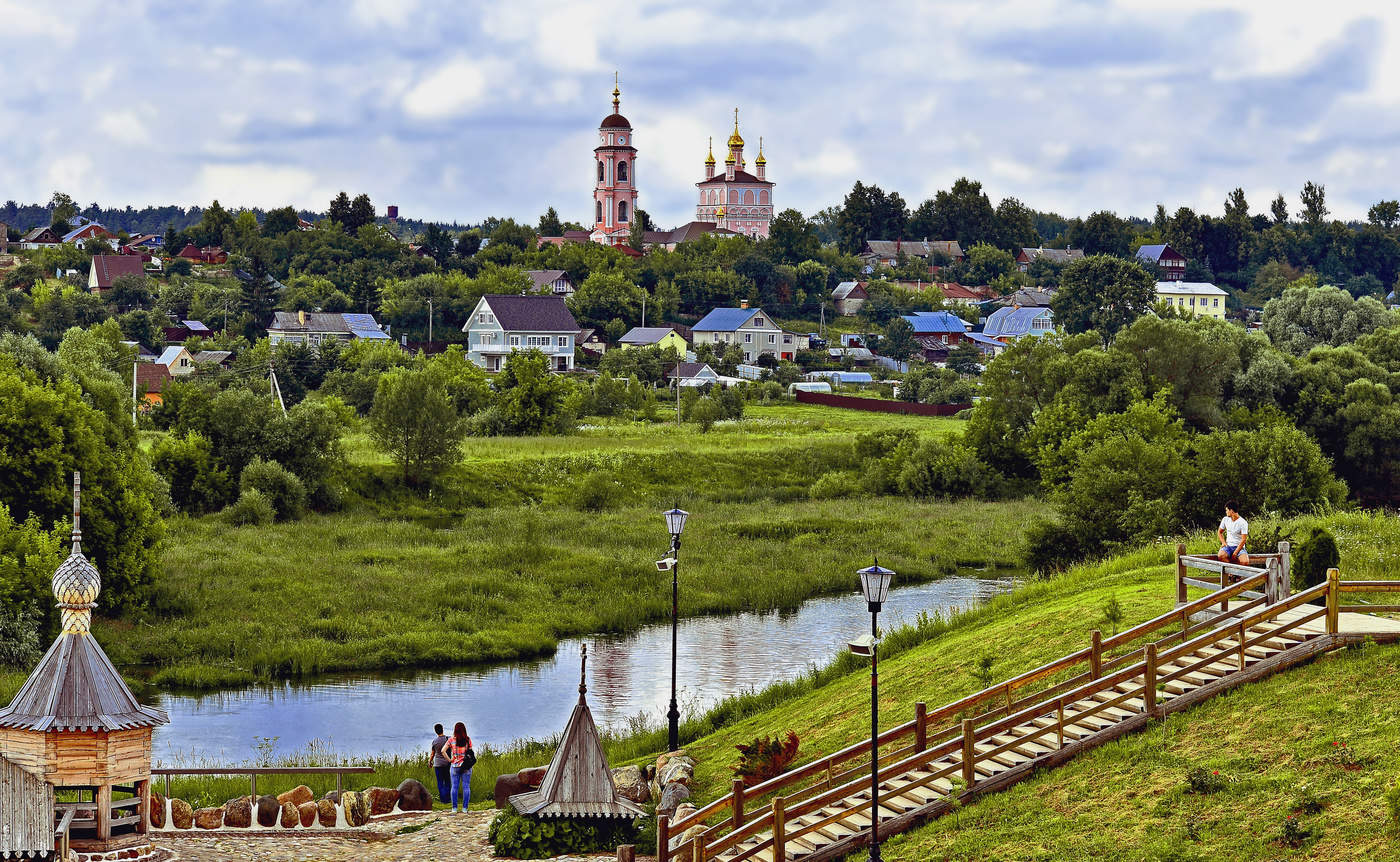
x=297 y=809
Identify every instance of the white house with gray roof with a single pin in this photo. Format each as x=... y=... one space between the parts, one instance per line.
x=501 y=325
x=751 y=329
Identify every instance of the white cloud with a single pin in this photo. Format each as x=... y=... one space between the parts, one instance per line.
x=449 y=91
x=123 y=127
x=261 y=185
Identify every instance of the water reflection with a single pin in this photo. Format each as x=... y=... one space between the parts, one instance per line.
x=628 y=674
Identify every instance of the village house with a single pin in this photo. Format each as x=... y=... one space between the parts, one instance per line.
x=1010 y=323
x=312 y=328
x=176 y=360
x=848 y=297
x=209 y=254
x=590 y=342
x=501 y=325
x=107 y=268
x=151 y=380
x=942 y=326
x=1164 y=261
x=669 y=239
x=958 y=294
x=37 y=238
x=214 y=358
x=654 y=336
x=1029 y=297
x=180 y=331
x=692 y=374
x=85 y=230
x=751 y=329
x=1197 y=297
x=882 y=252
x=555 y=281
x=1061 y=256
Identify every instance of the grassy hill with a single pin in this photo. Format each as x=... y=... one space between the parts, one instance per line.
x=1127 y=800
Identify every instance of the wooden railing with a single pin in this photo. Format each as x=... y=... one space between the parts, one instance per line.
x=254 y=771
x=61 y=837
x=927 y=737
x=958 y=728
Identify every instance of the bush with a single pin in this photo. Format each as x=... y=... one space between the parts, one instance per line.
x=517 y=836
x=1051 y=547
x=1315 y=556
x=19 y=640
x=283 y=491
x=764 y=758
x=251 y=509
x=487 y=422
x=834 y=485
x=1202 y=780
x=941 y=469
x=705 y=412
x=595 y=493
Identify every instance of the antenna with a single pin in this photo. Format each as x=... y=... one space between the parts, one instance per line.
x=77 y=508
x=583 y=675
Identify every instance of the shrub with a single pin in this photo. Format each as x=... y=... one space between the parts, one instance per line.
x=1202 y=780
x=595 y=493
x=520 y=837
x=1306 y=800
x=765 y=758
x=834 y=485
x=1315 y=556
x=1113 y=613
x=1294 y=834
x=251 y=509
x=706 y=412
x=1051 y=547
x=487 y=422
x=19 y=639
x=938 y=468
x=283 y=490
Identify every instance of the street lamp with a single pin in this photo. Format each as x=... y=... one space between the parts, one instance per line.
x=675 y=523
x=875 y=584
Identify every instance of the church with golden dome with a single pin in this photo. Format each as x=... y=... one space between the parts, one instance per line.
x=735 y=199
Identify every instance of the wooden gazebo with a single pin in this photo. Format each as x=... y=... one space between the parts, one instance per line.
x=77 y=724
x=578 y=782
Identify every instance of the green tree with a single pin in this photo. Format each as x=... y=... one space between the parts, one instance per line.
x=1384 y=214
x=965 y=359
x=437 y=243
x=1314 y=200
x=1101 y=233
x=1102 y=293
x=604 y=296
x=1279 y=209
x=1305 y=316
x=791 y=238
x=964 y=213
x=987 y=264
x=361 y=213
x=550 y=225
x=531 y=398
x=61 y=209
x=339 y=211
x=898 y=343
x=468 y=243
x=415 y=421
x=280 y=221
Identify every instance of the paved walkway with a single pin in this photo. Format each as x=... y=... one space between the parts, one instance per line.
x=441 y=838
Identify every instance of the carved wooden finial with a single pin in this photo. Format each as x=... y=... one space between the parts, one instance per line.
x=583 y=675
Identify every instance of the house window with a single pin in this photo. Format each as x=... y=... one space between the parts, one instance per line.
x=787 y=339
x=1215 y=303
x=1040 y=323
x=758 y=321
x=563 y=341
x=515 y=341
x=748 y=338
x=622 y=172
x=772 y=339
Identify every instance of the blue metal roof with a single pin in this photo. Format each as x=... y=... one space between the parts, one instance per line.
x=724 y=319
x=935 y=322
x=979 y=338
x=1152 y=252
x=364 y=326
x=1015 y=322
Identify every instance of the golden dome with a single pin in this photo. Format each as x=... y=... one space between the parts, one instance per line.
x=760 y=160
x=735 y=140
x=729 y=159
x=710 y=159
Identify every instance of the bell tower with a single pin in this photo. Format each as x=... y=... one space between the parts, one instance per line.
x=615 y=177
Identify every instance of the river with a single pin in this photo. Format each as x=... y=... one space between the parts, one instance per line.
x=364 y=714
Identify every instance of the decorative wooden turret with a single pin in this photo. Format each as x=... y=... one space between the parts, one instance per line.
x=578 y=782
x=75 y=721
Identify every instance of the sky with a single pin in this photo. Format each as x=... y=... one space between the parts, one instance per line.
x=456 y=111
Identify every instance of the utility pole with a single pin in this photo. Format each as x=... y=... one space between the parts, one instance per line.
x=644 y=308
x=430 y=324
x=133 y=392
x=276 y=388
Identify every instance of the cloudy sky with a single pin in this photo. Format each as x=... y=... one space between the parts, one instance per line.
x=457 y=110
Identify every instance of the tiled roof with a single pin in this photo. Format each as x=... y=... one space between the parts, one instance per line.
x=109 y=267
x=1155 y=253
x=1057 y=255
x=532 y=313
x=688 y=370
x=545 y=277
x=1030 y=297
x=725 y=319
x=151 y=376
x=913 y=247
x=846 y=288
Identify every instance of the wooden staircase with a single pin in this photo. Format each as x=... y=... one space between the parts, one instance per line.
x=990 y=740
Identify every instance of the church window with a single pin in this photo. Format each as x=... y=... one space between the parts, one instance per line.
x=763 y=196
x=600 y=171
x=748 y=196
x=622 y=210
x=600 y=212
x=622 y=172
x=734 y=196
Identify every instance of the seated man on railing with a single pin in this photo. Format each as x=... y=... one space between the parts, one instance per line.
x=1233 y=533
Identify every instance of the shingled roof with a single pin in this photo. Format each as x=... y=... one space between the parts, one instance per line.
x=110 y=267
x=531 y=313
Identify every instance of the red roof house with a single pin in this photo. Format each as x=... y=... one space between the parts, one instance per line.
x=107 y=268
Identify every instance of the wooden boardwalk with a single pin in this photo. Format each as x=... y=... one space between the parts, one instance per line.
x=1241 y=632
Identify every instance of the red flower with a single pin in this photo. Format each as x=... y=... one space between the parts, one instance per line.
x=1334 y=743
x=1215 y=772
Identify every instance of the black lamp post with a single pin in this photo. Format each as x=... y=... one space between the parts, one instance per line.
x=675 y=523
x=875 y=584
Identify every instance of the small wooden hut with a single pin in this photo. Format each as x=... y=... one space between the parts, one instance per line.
x=77 y=724
x=578 y=782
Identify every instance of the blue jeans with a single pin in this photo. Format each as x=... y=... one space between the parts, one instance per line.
x=461 y=786
x=444 y=778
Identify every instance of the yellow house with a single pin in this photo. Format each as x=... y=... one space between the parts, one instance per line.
x=654 y=336
x=1197 y=298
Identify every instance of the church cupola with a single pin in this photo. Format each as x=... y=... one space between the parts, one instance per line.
x=710 y=161
x=760 y=163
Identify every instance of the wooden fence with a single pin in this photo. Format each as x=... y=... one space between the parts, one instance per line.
x=254 y=771
x=878 y=405
x=26 y=812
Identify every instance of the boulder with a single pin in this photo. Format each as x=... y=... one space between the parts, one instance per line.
x=297 y=795
x=238 y=813
x=325 y=812
x=669 y=756
x=181 y=814
x=333 y=796
x=157 y=814
x=533 y=776
x=684 y=810
x=269 y=810
x=654 y=787
x=631 y=784
x=290 y=816
x=507 y=786
x=307 y=812
x=679 y=769
x=671 y=796
x=381 y=800
x=209 y=818
x=413 y=796
x=356 y=807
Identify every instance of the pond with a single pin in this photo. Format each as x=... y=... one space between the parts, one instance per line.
x=365 y=714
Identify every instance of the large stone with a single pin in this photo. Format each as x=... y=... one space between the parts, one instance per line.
x=269 y=810
x=181 y=814
x=297 y=795
x=326 y=812
x=157 y=814
x=381 y=800
x=684 y=810
x=356 y=807
x=671 y=796
x=507 y=786
x=307 y=812
x=533 y=776
x=290 y=815
x=413 y=796
x=631 y=784
x=238 y=813
x=333 y=796
x=209 y=818
x=677 y=772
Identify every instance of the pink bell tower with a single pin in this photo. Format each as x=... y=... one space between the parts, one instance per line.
x=615 y=170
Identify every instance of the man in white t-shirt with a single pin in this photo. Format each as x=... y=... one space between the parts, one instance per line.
x=1233 y=533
